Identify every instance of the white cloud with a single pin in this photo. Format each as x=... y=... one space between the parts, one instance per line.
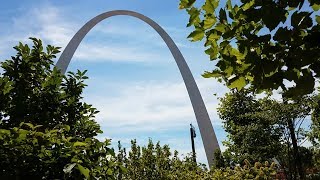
x=53 y=26
x=98 y=52
x=152 y=105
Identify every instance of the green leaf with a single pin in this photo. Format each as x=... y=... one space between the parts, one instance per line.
x=186 y=3
x=248 y=5
x=237 y=82
x=212 y=52
x=29 y=125
x=5 y=131
x=85 y=171
x=209 y=22
x=23 y=134
x=214 y=36
x=66 y=127
x=210 y=5
x=291 y=8
x=194 y=16
x=79 y=144
x=220 y=27
x=213 y=74
x=109 y=172
x=318 y=19
x=38 y=126
x=196 y=35
x=316 y=7
x=229 y=5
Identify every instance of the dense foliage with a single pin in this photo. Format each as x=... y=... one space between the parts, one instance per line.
x=260 y=43
x=157 y=162
x=253 y=132
x=264 y=129
x=46 y=131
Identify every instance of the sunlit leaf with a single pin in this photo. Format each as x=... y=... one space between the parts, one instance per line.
x=196 y=35
x=237 y=82
x=248 y=5
x=85 y=171
x=209 y=22
x=79 y=144
x=316 y=7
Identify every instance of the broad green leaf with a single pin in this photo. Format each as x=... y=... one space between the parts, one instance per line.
x=235 y=52
x=23 y=133
x=196 y=35
x=109 y=172
x=291 y=8
x=250 y=78
x=210 y=6
x=318 y=19
x=79 y=144
x=85 y=171
x=66 y=127
x=123 y=169
x=316 y=7
x=186 y=4
x=220 y=27
x=229 y=5
x=209 y=22
x=29 y=125
x=248 y=5
x=37 y=126
x=212 y=52
x=214 y=74
x=214 y=36
x=194 y=16
x=5 y=131
x=237 y=82
x=228 y=71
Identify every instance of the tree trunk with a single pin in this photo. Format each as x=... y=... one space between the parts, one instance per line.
x=296 y=154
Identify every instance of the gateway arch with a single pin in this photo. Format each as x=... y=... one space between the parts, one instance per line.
x=208 y=135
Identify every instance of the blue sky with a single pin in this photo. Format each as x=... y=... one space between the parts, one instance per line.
x=134 y=80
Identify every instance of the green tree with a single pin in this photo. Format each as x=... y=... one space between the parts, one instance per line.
x=252 y=133
x=262 y=129
x=46 y=131
x=260 y=43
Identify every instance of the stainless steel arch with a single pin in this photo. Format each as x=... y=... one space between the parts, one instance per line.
x=206 y=130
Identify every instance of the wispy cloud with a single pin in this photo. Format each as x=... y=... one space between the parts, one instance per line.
x=100 y=53
x=152 y=105
x=53 y=27
x=157 y=109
